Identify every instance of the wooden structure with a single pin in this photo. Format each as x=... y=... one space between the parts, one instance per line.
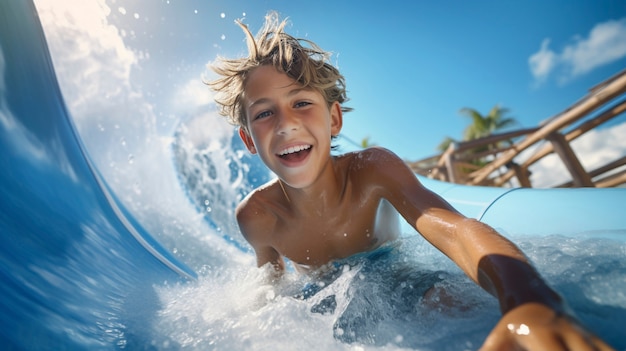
x=494 y=160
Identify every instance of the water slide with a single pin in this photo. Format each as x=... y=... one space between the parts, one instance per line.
x=72 y=259
x=77 y=268
x=580 y=211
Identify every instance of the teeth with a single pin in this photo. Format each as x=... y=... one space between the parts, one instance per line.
x=291 y=150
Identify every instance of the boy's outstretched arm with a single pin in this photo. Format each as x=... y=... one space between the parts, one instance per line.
x=534 y=315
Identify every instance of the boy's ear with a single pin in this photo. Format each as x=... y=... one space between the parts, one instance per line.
x=336 y=118
x=247 y=139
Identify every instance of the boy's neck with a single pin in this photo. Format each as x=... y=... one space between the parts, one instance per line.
x=324 y=194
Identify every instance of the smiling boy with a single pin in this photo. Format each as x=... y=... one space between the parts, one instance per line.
x=288 y=103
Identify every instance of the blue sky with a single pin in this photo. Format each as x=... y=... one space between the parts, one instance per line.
x=410 y=65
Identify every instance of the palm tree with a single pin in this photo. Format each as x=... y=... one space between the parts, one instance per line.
x=445 y=144
x=483 y=126
x=365 y=143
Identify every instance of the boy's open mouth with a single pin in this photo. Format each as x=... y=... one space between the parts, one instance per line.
x=295 y=153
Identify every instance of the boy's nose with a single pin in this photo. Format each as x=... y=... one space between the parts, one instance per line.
x=287 y=123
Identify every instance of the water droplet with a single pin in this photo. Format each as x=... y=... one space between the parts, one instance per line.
x=137 y=188
x=131 y=159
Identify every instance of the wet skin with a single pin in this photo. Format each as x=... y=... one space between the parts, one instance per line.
x=322 y=208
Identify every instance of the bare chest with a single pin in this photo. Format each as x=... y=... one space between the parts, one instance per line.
x=319 y=238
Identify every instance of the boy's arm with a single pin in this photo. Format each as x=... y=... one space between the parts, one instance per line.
x=534 y=315
x=256 y=224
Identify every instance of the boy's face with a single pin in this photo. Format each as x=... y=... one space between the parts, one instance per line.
x=289 y=127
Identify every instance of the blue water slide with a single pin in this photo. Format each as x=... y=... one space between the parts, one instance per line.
x=77 y=272
x=524 y=211
x=39 y=137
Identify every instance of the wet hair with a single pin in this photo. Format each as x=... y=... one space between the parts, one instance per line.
x=301 y=59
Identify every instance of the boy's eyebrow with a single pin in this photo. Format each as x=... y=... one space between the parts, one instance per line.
x=292 y=92
x=295 y=91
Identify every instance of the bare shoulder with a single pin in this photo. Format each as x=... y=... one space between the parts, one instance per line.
x=376 y=161
x=255 y=214
x=381 y=170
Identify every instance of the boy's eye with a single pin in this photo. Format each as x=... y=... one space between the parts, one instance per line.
x=302 y=103
x=263 y=114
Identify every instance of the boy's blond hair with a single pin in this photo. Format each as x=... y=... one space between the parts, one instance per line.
x=272 y=46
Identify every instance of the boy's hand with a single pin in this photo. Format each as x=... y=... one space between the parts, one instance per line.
x=534 y=326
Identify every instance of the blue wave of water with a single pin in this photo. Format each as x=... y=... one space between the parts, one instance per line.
x=76 y=272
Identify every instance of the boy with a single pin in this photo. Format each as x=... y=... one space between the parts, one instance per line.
x=287 y=101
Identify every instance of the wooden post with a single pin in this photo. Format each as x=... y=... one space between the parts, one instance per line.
x=580 y=177
x=522 y=174
x=450 y=168
x=448 y=159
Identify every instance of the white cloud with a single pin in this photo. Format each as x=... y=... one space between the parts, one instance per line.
x=606 y=43
x=543 y=62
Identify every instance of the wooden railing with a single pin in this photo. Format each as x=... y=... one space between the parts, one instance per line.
x=494 y=160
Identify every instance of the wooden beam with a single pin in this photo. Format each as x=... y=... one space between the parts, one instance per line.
x=608 y=167
x=601 y=170
x=580 y=177
x=450 y=167
x=613 y=180
x=606 y=116
x=503 y=178
x=522 y=174
x=579 y=110
x=492 y=139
